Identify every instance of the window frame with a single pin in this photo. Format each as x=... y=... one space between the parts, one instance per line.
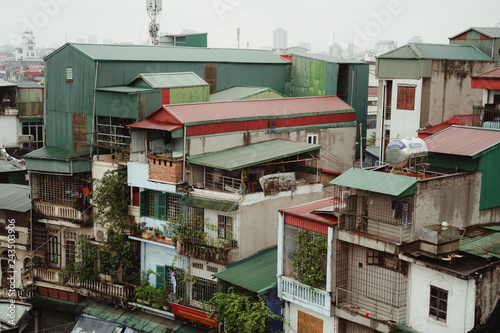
x=436 y=310
x=406 y=97
x=313 y=138
x=225 y=224
x=69 y=74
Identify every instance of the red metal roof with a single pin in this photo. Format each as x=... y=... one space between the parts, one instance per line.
x=372 y=91
x=305 y=211
x=487 y=80
x=151 y=124
x=464 y=120
x=465 y=141
x=492 y=74
x=208 y=112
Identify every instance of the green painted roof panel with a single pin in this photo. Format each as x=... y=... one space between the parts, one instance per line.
x=6 y=166
x=58 y=154
x=256 y=273
x=484 y=246
x=15 y=197
x=125 y=90
x=172 y=54
x=171 y=80
x=435 y=51
x=239 y=93
x=492 y=32
x=330 y=59
x=218 y=205
x=242 y=157
x=379 y=182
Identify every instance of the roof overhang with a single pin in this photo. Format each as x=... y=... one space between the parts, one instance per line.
x=53 y=159
x=218 y=205
x=155 y=125
x=252 y=155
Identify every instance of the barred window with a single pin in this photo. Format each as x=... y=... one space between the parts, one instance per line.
x=225 y=225
x=203 y=290
x=438 y=303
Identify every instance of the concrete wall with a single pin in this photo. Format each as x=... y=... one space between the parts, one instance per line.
x=259 y=217
x=486 y=299
x=338 y=144
x=460 y=309
x=10 y=128
x=451 y=91
x=153 y=254
x=405 y=123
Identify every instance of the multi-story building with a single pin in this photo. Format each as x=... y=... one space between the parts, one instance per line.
x=280 y=39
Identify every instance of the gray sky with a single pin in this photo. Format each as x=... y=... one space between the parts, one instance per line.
x=362 y=22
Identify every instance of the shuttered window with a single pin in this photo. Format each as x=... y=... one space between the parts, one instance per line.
x=211 y=76
x=79 y=131
x=308 y=324
x=406 y=98
x=69 y=74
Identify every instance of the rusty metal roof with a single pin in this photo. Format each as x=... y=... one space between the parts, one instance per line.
x=156 y=125
x=492 y=74
x=254 y=109
x=464 y=120
x=316 y=211
x=486 y=246
x=465 y=141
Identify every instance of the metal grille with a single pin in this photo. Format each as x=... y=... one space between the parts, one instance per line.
x=225 y=227
x=290 y=248
x=372 y=275
x=39 y=237
x=63 y=190
x=203 y=290
x=112 y=135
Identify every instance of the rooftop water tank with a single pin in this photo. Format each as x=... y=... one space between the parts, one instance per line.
x=399 y=151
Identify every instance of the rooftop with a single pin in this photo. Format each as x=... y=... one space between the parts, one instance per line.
x=239 y=93
x=170 y=80
x=492 y=32
x=464 y=120
x=15 y=197
x=435 y=51
x=317 y=211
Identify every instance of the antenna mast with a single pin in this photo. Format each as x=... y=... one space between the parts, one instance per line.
x=154 y=8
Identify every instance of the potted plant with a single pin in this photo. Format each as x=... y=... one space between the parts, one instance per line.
x=158 y=233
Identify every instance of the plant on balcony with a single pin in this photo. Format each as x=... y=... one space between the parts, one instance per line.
x=310 y=258
x=155 y=297
x=84 y=262
x=241 y=311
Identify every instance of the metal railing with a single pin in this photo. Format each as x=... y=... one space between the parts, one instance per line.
x=222 y=183
x=294 y=290
x=368 y=307
x=214 y=254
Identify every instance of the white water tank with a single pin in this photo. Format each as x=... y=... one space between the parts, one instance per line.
x=399 y=151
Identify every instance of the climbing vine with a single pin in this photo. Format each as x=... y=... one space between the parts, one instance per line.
x=310 y=258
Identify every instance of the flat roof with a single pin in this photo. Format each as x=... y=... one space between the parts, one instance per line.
x=255 y=154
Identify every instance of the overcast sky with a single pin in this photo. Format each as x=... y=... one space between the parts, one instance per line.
x=362 y=22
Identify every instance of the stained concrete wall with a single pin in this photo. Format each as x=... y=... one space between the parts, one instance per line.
x=337 y=153
x=486 y=300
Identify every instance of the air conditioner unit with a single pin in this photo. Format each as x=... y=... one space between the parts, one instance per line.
x=100 y=234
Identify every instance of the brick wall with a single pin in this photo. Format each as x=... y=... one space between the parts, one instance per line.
x=165 y=168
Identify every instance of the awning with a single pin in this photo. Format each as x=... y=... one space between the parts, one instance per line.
x=19 y=311
x=242 y=157
x=54 y=159
x=379 y=182
x=86 y=324
x=256 y=273
x=57 y=304
x=156 y=125
x=219 y=205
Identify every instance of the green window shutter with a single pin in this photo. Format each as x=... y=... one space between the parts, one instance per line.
x=144 y=203
x=162 y=205
x=160 y=270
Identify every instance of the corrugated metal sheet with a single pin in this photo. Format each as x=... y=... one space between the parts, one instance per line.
x=306 y=211
x=492 y=74
x=492 y=32
x=379 y=182
x=252 y=109
x=240 y=93
x=487 y=246
x=55 y=153
x=18 y=312
x=242 y=157
x=218 y=205
x=462 y=120
x=328 y=58
x=6 y=166
x=256 y=273
x=465 y=141
x=149 y=124
x=373 y=91
x=150 y=53
x=15 y=197
x=6 y=84
x=435 y=51
x=27 y=84
x=125 y=90
x=170 y=80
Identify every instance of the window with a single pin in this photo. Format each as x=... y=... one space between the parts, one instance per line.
x=406 y=98
x=438 y=303
x=372 y=257
x=225 y=224
x=69 y=74
x=70 y=253
x=173 y=278
x=203 y=290
x=53 y=250
x=112 y=135
x=160 y=205
x=312 y=139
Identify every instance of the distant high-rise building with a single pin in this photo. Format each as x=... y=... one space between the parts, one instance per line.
x=350 y=51
x=92 y=39
x=415 y=39
x=29 y=45
x=335 y=50
x=384 y=46
x=280 y=37
x=306 y=45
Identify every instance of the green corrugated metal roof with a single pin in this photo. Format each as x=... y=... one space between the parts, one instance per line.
x=15 y=197
x=239 y=93
x=19 y=311
x=218 y=205
x=171 y=80
x=125 y=90
x=379 y=182
x=375 y=151
x=171 y=53
x=56 y=154
x=402 y=328
x=436 y=51
x=242 y=157
x=133 y=319
x=256 y=273
x=6 y=84
x=494 y=228
x=492 y=32
x=6 y=166
x=328 y=58
x=484 y=246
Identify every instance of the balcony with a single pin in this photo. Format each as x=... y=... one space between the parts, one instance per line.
x=214 y=254
x=63 y=212
x=486 y=116
x=86 y=288
x=216 y=181
x=312 y=298
x=369 y=307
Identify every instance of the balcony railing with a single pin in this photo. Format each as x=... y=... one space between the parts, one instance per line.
x=58 y=211
x=369 y=307
x=214 y=254
x=6 y=293
x=310 y=297
x=55 y=276
x=222 y=183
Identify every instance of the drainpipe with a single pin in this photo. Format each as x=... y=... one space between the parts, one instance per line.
x=184 y=148
x=93 y=115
